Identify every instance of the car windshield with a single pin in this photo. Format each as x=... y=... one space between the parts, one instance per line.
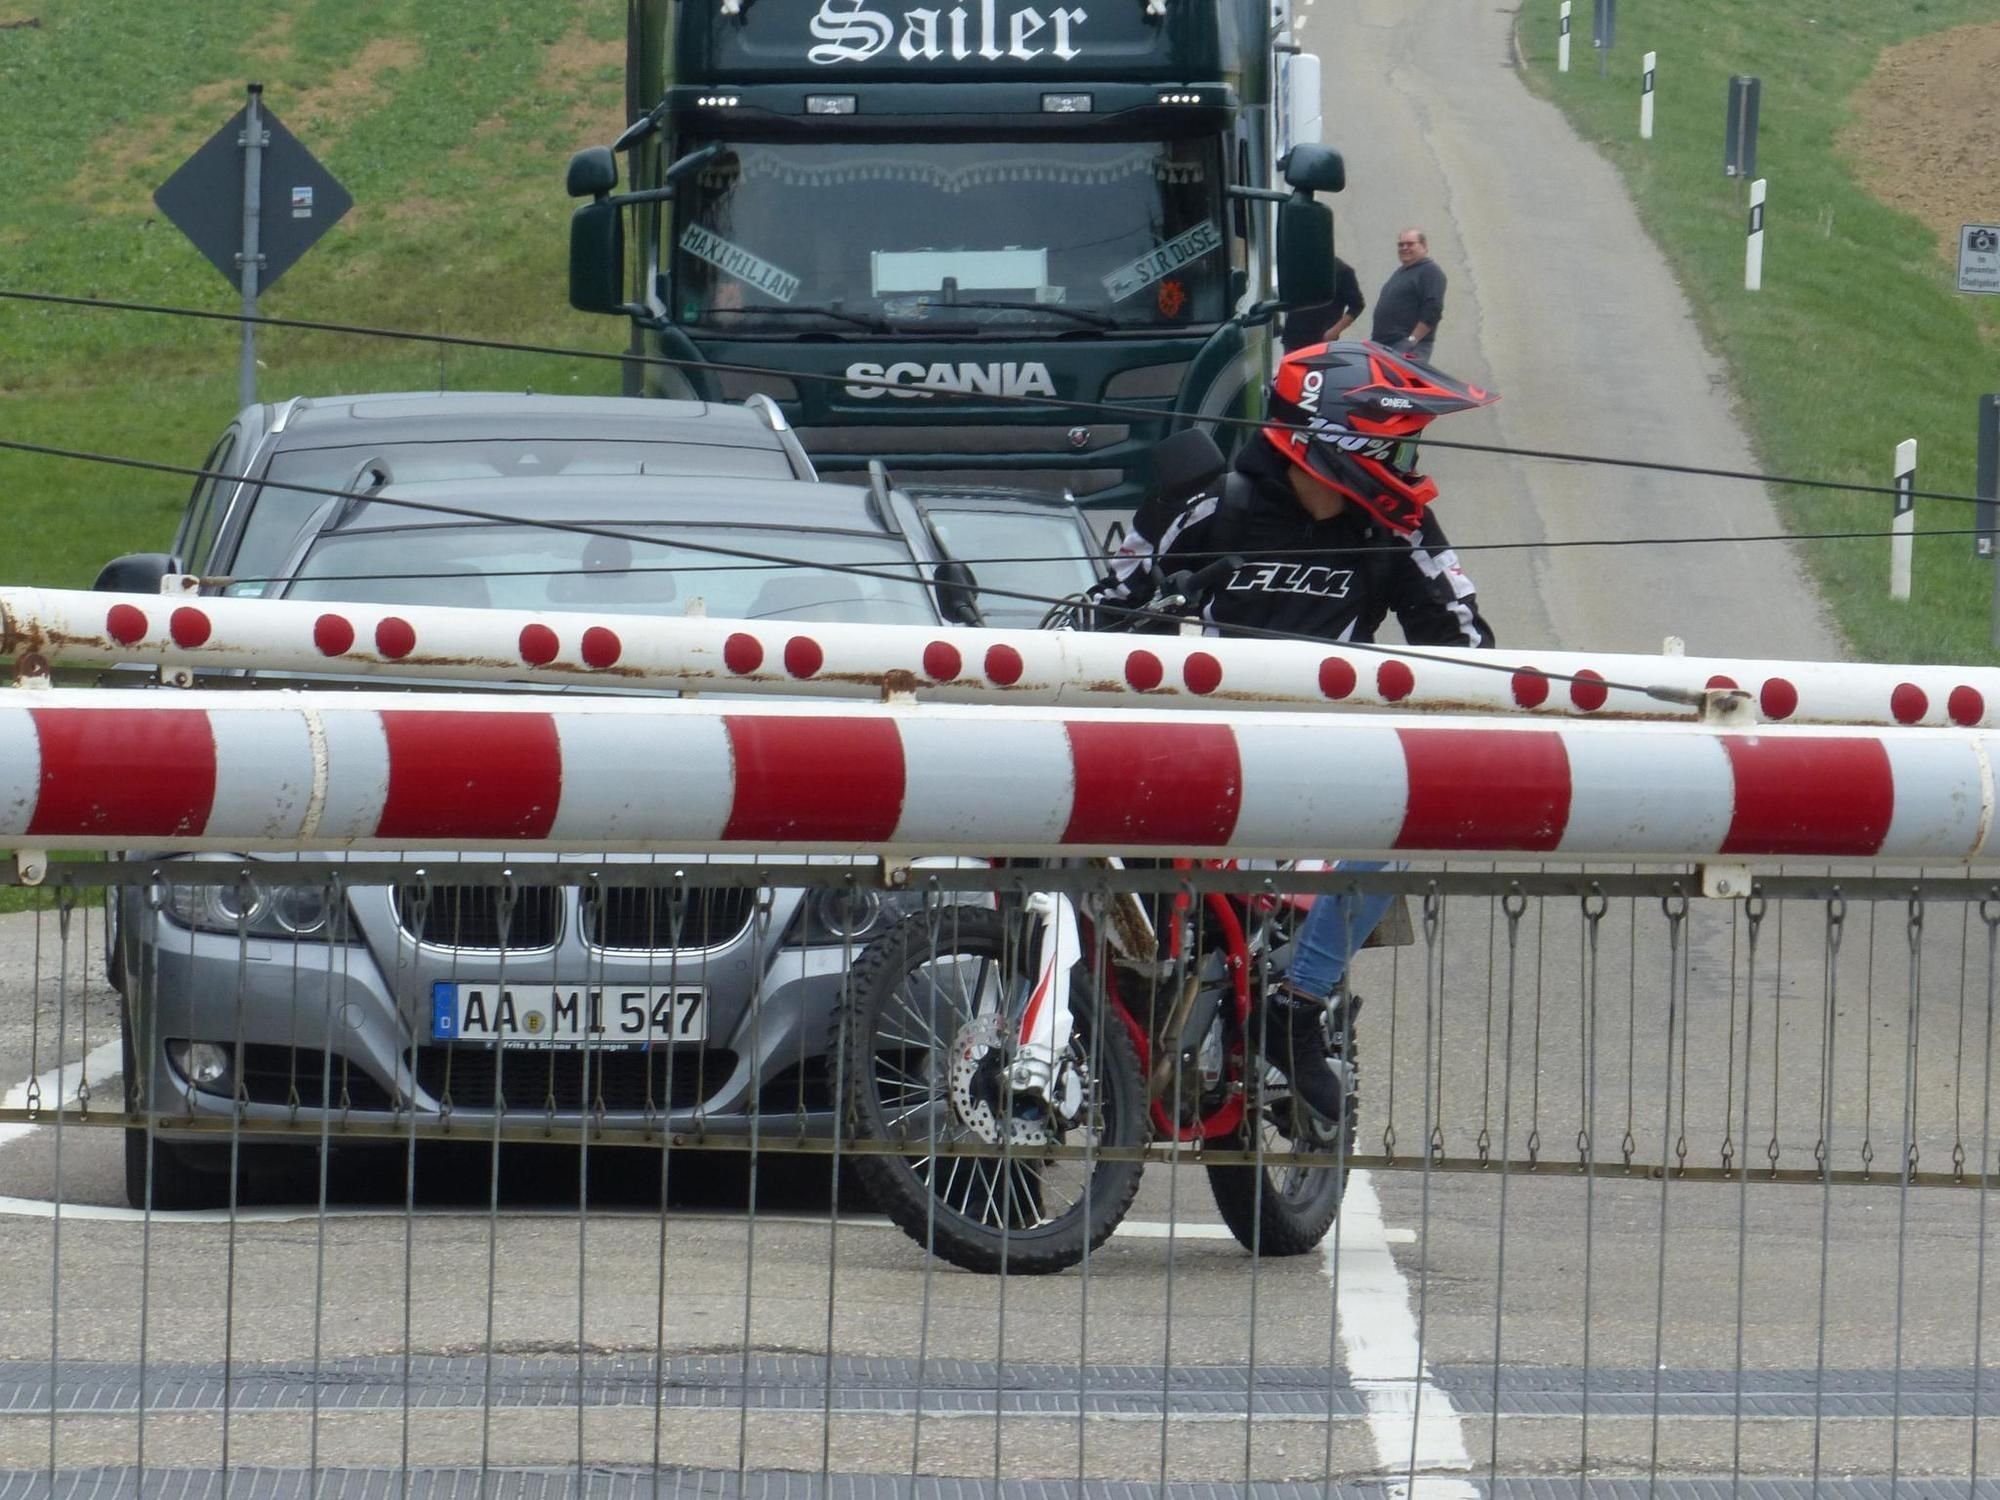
x=276 y=512
x=535 y=568
x=1065 y=234
x=1042 y=556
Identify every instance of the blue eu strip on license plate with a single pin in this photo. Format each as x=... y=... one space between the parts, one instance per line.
x=444 y=1011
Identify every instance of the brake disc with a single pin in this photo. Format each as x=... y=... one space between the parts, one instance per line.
x=979 y=1095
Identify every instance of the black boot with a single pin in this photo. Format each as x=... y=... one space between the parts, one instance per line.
x=1295 y=1042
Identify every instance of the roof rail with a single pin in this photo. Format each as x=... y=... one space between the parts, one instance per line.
x=774 y=418
x=289 y=410
x=878 y=497
x=763 y=405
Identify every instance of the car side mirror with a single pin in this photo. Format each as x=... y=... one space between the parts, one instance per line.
x=1305 y=250
x=137 y=573
x=957 y=593
x=593 y=173
x=1314 y=169
x=1180 y=467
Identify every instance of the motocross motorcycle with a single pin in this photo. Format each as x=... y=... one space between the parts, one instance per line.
x=1018 y=1058
x=1021 y=1058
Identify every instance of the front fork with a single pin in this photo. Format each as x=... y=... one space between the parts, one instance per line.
x=1042 y=1034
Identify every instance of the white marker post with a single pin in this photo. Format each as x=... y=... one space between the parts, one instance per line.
x=1903 y=529
x=1562 y=39
x=1646 y=98
x=1753 y=256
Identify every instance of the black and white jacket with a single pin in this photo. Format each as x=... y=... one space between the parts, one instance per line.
x=1334 y=580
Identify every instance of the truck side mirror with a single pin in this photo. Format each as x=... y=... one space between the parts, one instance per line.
x=593 y=173
x=957 y=593
x=1314 y=169
x=1305 y=251
x=136 y=573
x=597 y=257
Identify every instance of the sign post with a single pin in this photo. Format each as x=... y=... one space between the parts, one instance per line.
x=249 y=262
x=1739 y=144
x=1562 y=39
x=253 y=200
x=1603 y=25
x=1903 y=526
x=1753 y=254
x=1986 y=484
x=1646 y=96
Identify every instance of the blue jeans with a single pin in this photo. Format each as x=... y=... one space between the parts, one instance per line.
x=1334 y=927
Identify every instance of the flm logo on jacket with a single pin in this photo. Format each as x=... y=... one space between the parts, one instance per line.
x=849 y=31
x=908 y=379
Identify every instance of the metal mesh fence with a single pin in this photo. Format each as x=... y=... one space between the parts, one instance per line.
x=649 y=1177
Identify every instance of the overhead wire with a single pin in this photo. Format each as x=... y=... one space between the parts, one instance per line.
x=1660 y=692
x=1044 y=403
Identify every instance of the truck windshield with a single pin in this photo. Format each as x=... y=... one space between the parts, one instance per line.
x=1031 y=234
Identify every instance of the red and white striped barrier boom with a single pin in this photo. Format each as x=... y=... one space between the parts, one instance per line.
x=262 y=770
x=958 y=666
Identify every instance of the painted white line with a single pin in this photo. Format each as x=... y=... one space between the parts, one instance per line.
x=57 y=1088
x=1409 y=1417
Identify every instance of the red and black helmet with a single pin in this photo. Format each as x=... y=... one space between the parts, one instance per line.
x=1342 y=412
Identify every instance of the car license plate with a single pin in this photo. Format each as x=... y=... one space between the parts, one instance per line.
x=569 y=1015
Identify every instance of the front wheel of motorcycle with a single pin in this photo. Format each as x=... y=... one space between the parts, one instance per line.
x=988 y=1180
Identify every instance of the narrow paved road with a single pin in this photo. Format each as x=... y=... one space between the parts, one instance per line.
x=1560 y=302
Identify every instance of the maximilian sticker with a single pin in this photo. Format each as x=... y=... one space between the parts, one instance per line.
x=1201 y=240
x=734 y=260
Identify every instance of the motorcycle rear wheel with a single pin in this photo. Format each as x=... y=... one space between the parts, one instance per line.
x=1286 y=1209
x=908 y=1003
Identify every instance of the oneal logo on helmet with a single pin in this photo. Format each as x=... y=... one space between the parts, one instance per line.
x=848 y=31
x=910 y=380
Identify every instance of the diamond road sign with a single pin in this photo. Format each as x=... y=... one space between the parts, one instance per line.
x=300 y=200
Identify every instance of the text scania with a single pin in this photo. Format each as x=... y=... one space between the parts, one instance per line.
x=848 y=31
x=909 y=380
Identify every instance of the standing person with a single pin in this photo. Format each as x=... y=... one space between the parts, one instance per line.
x=1412 y=300
x=1334 y=534
x=1326 y=321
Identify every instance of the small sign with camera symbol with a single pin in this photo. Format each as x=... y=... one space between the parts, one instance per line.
x=1979 y=258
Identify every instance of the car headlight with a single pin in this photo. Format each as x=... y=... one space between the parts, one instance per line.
x=259 y=909
x=852 y=916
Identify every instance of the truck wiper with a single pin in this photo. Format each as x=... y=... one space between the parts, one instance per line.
x=1094 y=319
x=859 y=320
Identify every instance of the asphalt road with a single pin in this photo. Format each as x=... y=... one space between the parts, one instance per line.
x=520 y=1341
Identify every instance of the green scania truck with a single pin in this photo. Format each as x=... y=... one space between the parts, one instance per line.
x=909 y=214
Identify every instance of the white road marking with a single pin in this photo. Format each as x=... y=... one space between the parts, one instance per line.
x=57 y=1087
x=1409 y=1417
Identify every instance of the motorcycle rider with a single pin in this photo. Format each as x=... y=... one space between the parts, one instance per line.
x=1333 y=528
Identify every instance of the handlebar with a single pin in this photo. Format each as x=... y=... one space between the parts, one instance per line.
x=1184 y=591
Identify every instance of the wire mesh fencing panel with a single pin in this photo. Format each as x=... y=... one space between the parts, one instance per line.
x=648 y=1177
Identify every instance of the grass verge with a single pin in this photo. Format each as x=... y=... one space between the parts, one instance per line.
x=449 y=124
x=1857 y=338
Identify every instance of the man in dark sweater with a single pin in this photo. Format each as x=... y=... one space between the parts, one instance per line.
x=1412 y=300
x=1326 y=321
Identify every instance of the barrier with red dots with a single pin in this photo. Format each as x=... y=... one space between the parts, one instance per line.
x=694 y=654
x=250 y=770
